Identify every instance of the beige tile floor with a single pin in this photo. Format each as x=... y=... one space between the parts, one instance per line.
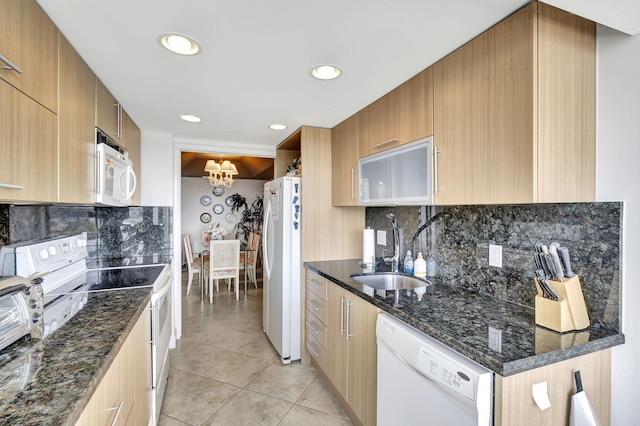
x=224 y=371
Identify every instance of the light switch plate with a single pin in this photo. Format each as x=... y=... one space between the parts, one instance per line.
x=495 y=255
x=381 y=238
x=495 y=339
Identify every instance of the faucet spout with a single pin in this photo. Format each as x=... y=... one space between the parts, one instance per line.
x=394 y=259
x=425 y=226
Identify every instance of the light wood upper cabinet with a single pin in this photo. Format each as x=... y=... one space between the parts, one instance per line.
x=76 y=120
x=30 y=42
x=28 y=148
x=108 y=112
x=514 y=112
x=131 y=142
x=403 y=115
x=344 y=163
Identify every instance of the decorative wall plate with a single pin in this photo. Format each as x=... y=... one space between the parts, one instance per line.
x=218 y=209
x=205 y=200
x=218 y=191
x=205 y=218
x=231 y=218
x=229 y=201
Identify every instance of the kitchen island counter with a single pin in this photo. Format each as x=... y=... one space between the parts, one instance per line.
x=460 y=318
x=49 y=382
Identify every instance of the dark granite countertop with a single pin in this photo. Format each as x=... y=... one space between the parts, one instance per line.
x=49 y=381
x=460 y=319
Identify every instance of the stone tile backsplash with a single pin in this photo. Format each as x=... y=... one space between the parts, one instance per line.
x=456 y=247
x=112 y=232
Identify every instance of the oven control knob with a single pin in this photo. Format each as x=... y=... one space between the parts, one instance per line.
x=79 y=242
x=35 y=317
x=79 y=305
x=53 y=326
x=32 y=303
x=52 y=250
x=44 y=255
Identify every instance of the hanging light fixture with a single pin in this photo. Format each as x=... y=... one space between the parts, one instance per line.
x=221 y=174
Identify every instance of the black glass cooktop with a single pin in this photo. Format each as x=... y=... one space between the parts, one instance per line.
x=109 y=279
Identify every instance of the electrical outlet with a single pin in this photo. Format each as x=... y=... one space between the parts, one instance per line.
x=495 y=255
x=381 y=238
x=495 y=339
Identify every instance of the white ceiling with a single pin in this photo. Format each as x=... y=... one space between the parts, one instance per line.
x=257 y=54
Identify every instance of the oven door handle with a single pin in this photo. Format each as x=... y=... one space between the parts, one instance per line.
x=164 y=289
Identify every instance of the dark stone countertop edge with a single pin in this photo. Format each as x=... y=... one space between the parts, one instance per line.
x=82 y=402
x=485 y=359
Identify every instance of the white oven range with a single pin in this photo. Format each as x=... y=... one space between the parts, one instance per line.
x=67 y=282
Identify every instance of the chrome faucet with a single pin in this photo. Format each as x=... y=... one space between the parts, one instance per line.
x=423 y=227
x=393 y=260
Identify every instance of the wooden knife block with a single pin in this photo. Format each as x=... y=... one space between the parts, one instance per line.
x=567 y=314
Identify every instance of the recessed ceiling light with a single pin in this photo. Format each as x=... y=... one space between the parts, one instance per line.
x=180 y=43
x=191 y=118
x=277 y=127
x=326 y=72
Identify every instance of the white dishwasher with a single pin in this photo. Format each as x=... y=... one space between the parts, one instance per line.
x=421 y=381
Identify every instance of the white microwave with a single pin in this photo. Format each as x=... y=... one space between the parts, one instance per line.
x=116 y=180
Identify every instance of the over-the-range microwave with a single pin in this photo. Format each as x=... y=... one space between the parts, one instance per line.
x=116 y=180
x=399 y=176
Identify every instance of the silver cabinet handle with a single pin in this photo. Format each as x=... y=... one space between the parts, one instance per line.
x=348 y=319
x=381 y=144
x=435 y=169
x=313 y=328
x=313 y=305
x=313 y=284
x=313 y=352
x=10 y=186
x=10 y=65
x=119 y=408
x=118 y=132
x=353 y=183
x=342 y=329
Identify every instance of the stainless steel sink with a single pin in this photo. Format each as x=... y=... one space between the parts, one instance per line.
x=389 y=281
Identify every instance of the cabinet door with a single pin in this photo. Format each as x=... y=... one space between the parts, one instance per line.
x=141 y=342
x=362 y=368
x=30 y=42
x=131 y=141
x=412 y=106
x=336 y=338
x=344 y=163
x=484 y=117
x=76 y=118
x=108 y=112
x=28 y=148
x=374 y=128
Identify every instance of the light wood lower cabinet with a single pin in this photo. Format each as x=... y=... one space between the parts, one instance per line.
x=28 y=148
x=514 y=404
x=349 y=358
x=123 y=397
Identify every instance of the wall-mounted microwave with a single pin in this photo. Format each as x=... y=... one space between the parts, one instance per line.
x=399 y=176
x=116 y=180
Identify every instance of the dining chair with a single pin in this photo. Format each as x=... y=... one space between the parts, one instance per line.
x=224 y=262
x=194 y=266
x=252 y=259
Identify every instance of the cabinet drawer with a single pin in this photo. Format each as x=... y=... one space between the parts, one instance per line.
x=317 y=328
x=317 y=351
x=317 y=306
x=316 y=284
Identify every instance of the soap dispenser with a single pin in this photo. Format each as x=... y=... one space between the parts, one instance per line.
x=408 y=263
x=420 y=267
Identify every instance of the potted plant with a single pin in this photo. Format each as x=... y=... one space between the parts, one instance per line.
x=251 y=219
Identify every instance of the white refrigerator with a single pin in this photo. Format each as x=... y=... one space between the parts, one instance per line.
x=282 y=266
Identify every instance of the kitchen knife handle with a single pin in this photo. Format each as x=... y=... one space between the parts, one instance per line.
x=563 y=253
x=556 y=262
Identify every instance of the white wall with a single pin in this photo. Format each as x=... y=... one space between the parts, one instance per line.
x=194 y=188
x=156 y=173
x=618 y=179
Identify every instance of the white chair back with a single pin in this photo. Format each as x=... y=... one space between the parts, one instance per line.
x=224 y=262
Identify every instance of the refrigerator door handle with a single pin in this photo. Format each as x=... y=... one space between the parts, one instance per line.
x=267 y=257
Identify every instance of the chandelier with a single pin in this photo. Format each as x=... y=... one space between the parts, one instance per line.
x=221 y=174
